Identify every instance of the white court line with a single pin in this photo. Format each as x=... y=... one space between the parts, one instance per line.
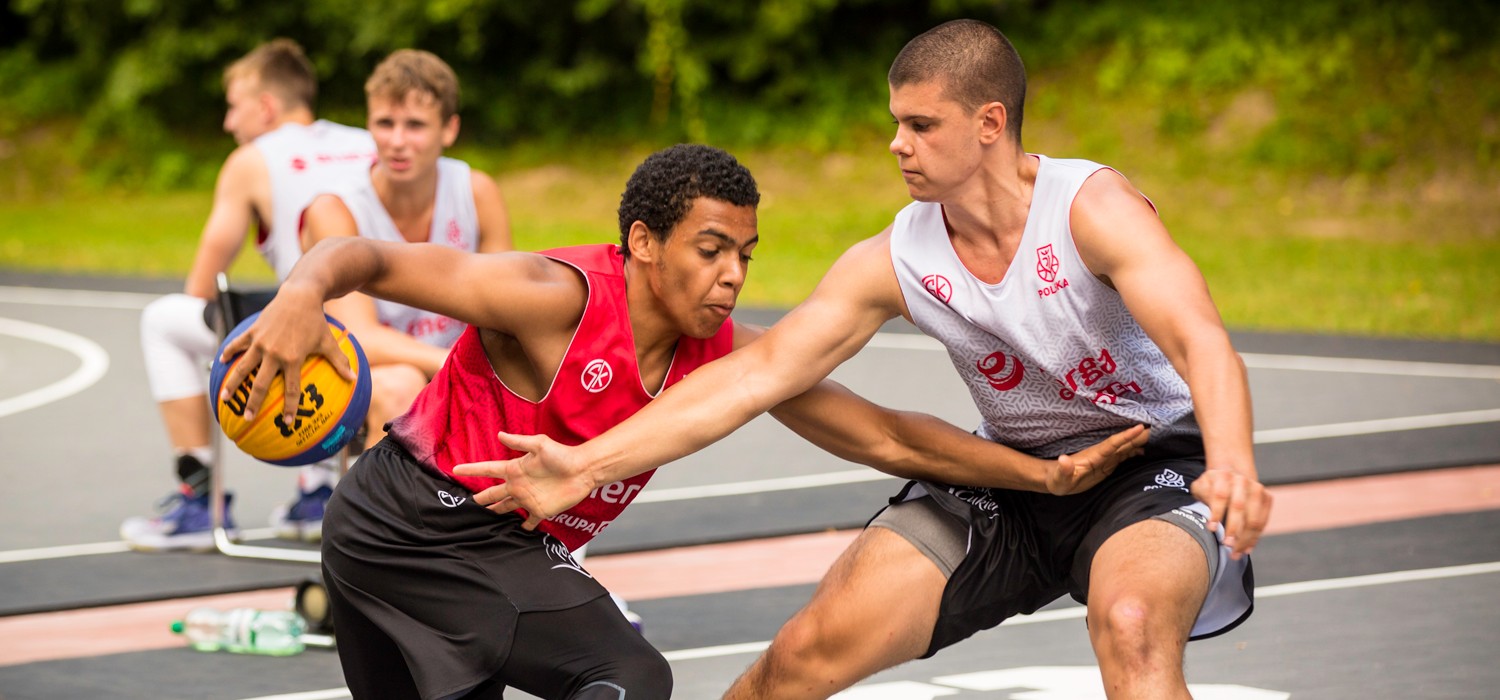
x=885 y=341
x=1069 y=613
x=95 y=362
x=1076 y=612
x=80 y=550
x=1379 y=425
x=43 y=296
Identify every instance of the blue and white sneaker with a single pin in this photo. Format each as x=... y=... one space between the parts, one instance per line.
x=302 y=518
x=184 y=525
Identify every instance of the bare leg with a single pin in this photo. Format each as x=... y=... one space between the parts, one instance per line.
x=874 y=609
x=1147 y=584
x=187 y=421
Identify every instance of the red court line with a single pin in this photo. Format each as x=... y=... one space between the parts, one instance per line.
x=751 y=564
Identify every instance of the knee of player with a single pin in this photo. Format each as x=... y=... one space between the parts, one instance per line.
x=640 y=672
x=1130 y=624
x=164 y=315
x=807 y=639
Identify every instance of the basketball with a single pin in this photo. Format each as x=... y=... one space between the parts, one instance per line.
x=329 y=411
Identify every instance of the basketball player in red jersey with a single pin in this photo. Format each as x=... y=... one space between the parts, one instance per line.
x=435 y=596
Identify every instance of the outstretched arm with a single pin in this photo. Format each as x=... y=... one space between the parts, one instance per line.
x=1123 y=242
x=512 y=293
x=915 y=445
x=848 y=306
x=919 y=446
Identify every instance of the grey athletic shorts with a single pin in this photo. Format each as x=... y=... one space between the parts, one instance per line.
x=1011 y=552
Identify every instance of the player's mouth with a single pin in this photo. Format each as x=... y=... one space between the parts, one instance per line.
x=722 y=309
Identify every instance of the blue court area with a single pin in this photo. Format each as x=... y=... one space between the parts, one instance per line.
x=1389 y=609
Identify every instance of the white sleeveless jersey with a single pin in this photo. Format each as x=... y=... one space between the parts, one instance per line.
x=304 y=161
x=1053 y=359
x=455 y=223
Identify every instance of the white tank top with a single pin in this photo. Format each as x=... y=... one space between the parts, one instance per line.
x=455 y=223
x=1053 y=359
x=304 y=161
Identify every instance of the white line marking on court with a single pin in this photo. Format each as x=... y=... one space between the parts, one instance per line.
x=43 y=296
x=1076 y=612
x=95 y=362
x=1068 y=613
x=330 y=694
x=1380 y=425
x=80 y=550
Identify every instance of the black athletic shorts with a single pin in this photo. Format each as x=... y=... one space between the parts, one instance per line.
x=433 y=596
x=1027 y=549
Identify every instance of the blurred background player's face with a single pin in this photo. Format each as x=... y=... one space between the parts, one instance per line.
x=698 y=271
x=249 y=112
x=409 y=134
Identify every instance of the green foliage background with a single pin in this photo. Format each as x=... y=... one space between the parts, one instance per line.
x=1331 y=164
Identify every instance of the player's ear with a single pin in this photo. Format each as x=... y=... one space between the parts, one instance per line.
x=643 y=244
x=450 y=131
x=992 y=121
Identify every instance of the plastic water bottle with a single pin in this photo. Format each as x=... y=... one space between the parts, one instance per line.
x=243 y=631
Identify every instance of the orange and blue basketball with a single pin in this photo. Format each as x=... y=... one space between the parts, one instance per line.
x=329 y=411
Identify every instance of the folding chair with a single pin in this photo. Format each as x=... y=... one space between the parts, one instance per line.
x=229 y=308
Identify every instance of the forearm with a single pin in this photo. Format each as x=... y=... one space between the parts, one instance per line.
x=1221 y=403
x=906 y=444
x=706 y=406
x=335 y=267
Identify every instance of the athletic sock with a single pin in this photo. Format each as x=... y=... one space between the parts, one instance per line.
x=193 y=471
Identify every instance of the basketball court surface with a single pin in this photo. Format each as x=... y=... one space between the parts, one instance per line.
x=1379 y=579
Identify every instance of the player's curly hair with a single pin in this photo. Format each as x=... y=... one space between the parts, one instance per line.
x=663 y=187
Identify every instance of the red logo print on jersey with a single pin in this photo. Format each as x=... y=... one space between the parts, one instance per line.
x=596 y=376
x=298 y=164
x=992 y=366
x=1089 y=372
x=1046 y=264
x=455 y=234
x=938 y=286
x=1046 y=268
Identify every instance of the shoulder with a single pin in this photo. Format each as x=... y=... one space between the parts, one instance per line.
x=244 y=164
x=483 y=186
x=328 y=215
x=1106 y=195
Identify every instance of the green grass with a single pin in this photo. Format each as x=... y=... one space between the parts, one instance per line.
x=1278 y=255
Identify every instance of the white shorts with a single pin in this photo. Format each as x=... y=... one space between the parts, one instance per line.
x=178 y=347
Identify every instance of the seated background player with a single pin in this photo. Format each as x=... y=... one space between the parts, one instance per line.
x=434 y=595
x=411 y=194
x=285 y=157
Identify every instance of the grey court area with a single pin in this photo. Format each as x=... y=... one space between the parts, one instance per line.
x=1402 y=609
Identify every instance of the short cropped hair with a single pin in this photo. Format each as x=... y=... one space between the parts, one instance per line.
x=278 y=66
x=663 y=187
x=413 y=70
x=975 y=63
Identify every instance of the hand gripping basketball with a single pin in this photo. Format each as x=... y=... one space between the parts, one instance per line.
x=324 y=391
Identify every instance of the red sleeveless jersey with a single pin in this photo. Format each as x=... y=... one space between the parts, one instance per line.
x=455 y=419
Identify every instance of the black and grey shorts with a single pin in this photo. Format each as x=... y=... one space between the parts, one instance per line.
x=1011 y=552
x=410 y=558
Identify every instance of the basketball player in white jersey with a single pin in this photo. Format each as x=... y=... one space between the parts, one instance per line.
x=1068 y=310
x=285 y=157
x=412 y=194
